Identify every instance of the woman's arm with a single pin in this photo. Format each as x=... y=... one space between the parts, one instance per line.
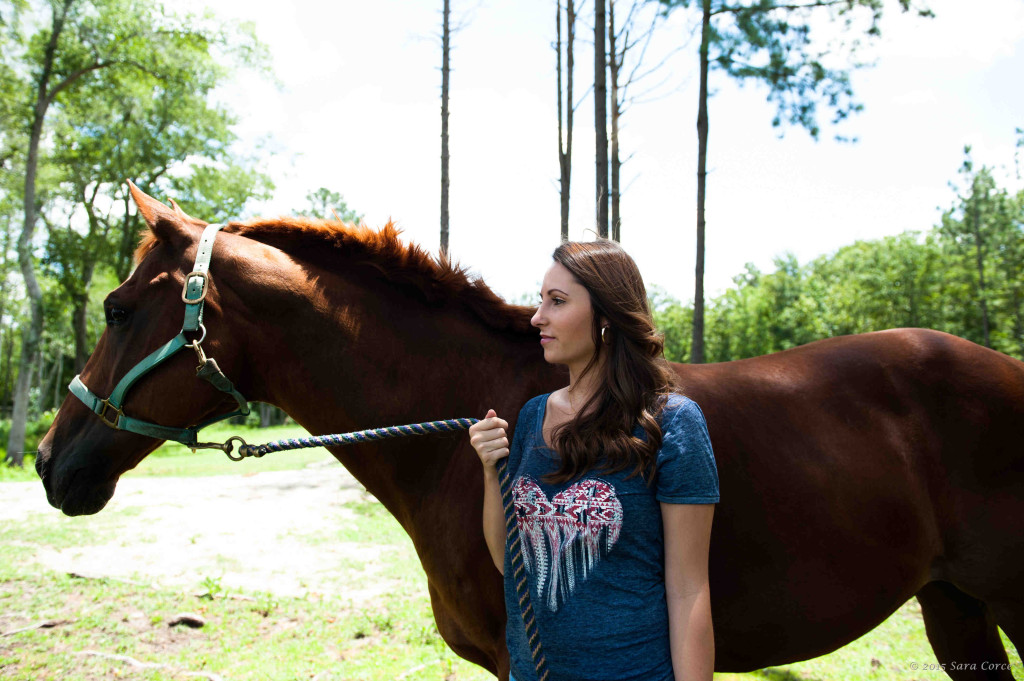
x=490 y=441
x=687 y=529
x=494 y=518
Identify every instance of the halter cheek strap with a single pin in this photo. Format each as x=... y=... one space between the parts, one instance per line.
x=111 y=410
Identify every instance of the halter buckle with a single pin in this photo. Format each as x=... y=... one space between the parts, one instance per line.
x=188 y=280
x=102 y=413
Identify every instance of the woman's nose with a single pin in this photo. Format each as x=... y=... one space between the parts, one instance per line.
x=536 y=320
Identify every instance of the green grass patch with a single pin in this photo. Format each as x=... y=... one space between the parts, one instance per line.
x=257 y=636
x=896 y=650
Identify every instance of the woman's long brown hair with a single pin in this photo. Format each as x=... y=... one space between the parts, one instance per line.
x=635 y=379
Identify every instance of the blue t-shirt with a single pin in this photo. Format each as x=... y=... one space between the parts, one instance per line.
x=594 y=551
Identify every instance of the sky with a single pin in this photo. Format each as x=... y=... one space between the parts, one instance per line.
x=356 y=108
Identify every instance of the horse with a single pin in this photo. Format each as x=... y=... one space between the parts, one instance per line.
x=856 y=472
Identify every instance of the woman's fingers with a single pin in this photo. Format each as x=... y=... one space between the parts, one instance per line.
x=489 y=438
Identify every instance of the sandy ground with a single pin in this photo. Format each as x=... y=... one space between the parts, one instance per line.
x=270 y=531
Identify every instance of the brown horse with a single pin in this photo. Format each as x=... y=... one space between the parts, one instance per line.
x=856 y=472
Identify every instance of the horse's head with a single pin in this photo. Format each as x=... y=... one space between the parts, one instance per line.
x=82 y=457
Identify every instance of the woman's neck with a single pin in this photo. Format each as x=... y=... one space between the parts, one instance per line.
x=583 y=385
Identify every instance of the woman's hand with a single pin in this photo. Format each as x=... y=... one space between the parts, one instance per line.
x=491 y=444
x=489 y=440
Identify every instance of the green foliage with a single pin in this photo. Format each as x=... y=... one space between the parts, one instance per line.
x=931 y=280
x=674 y=321
x=770 y=42
x=982 y=236
x=35 y=430
x=119 y=89
x=327 y=204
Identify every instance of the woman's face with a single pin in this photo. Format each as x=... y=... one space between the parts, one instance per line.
x=565 y=319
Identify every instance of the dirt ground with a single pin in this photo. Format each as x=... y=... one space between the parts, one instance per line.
x=268 y=531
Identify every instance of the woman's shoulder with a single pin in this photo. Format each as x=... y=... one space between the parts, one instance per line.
x=677 y=406
x=533 y=405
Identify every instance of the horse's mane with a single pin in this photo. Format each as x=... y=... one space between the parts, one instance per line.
x=436 y=279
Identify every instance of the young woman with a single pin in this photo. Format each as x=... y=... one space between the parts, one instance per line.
x=614 y=484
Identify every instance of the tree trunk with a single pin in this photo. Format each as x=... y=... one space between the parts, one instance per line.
x=1018 y=320
x=57 y=383
x=79 y=320
x=49 y=398
x=5 y=382
x=565 y=111
x=979 y=255
x=30 y=342
x=34 y=331
x=123 y=264
x=445 y=45
x=41 y=382
x=19 y=414
x=601 y=118
x=697 y=351
x=613 y=64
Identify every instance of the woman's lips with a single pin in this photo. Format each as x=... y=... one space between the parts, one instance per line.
x=545 y=339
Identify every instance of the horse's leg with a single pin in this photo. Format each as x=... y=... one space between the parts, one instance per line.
x=963 y=634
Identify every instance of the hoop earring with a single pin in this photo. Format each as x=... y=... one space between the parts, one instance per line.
x=604 y=335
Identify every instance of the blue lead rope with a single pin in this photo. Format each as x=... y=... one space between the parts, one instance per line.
x=446 y=426
x=337 y=439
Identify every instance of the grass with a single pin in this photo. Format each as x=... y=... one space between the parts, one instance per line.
x=258 y=637
x=896 y=650
x=247 y=635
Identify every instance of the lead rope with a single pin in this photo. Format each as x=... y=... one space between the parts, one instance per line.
x=540 y=663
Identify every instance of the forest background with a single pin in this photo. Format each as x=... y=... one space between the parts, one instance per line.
x=205 y=109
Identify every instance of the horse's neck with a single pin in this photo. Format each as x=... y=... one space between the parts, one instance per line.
x=382 y=358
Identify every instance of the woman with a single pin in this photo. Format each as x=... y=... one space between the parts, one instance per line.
x=614 y=484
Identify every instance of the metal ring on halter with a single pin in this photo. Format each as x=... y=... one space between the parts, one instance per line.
x=230 y=448
x=202 y=337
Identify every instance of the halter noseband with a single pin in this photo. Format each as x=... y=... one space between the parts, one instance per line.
x=111 y=410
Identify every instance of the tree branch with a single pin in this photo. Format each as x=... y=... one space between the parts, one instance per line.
x=808 y=5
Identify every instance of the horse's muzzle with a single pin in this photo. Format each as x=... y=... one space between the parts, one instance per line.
x=71 y=488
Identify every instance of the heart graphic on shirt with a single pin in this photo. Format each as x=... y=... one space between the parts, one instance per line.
x=564 y=538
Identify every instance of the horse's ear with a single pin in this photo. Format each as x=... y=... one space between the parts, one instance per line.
x=179 y=212
x=162 y=221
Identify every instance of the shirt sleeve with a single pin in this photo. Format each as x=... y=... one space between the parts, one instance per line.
x=522 y=433
x=686 y=470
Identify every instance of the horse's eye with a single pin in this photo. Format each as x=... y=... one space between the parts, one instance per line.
x=116 y=316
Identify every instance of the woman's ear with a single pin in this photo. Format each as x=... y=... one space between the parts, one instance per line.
x=163 y=222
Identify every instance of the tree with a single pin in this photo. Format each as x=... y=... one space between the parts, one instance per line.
x=163 y=134
x=82 y=45
x=769 y=42
x=445 y=72
x=983 y=236
x=324 y=203
x=624 y=38
x=566 y=106
x=601 y=118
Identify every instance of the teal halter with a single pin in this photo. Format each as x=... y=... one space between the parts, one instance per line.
x=111 y=410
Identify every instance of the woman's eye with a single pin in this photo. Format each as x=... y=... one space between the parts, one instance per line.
x=557 y=301
x=116 y=316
